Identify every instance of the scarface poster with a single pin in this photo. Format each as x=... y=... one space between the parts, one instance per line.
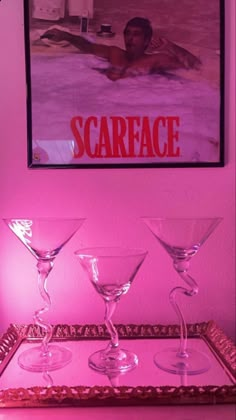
x=124 y=83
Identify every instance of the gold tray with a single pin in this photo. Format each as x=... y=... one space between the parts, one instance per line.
x=78 y=385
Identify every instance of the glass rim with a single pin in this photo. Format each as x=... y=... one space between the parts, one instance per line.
x=103 y=252
x=182 y=218
x=50 y=218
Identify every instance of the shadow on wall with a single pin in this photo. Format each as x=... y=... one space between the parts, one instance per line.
x=18 y=282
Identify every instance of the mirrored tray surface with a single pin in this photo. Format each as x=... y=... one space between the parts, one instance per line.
x=78 y=385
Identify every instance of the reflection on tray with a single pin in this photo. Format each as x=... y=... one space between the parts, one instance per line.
x=47 y=377
x=114 y=378
x=77 y=384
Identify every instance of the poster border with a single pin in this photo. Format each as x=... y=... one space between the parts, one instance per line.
x=219 y=163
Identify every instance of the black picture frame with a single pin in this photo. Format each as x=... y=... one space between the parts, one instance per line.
x=153 y=137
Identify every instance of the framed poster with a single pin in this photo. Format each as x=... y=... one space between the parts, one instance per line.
x=115 y=84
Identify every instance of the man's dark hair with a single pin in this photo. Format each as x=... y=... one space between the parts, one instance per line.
x=143 y=23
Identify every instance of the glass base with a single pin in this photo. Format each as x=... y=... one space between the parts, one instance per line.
x=194 y=364
x=35 y=360
x=115 y=361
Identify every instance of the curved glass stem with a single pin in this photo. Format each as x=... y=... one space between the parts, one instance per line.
x=110 y=309
x=181 y=266
x=44 y=267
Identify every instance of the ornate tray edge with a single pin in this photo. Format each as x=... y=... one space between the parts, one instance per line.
x=96 y=396
x=103 y=396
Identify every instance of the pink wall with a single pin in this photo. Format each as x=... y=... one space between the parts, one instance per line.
x=112 y=201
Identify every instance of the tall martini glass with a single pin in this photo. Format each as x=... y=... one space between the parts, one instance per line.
x=44 y=238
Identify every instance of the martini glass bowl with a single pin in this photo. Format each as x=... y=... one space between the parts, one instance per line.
x=44 y=238
x=111 y=272
x=182 y=239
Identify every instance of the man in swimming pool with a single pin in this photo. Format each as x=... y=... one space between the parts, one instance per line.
x=134 y=60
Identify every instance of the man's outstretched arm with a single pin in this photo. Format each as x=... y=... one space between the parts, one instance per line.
x=79 y=42
x=163 y=62
x=188 y=59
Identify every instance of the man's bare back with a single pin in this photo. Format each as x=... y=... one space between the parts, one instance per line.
x=133 y=60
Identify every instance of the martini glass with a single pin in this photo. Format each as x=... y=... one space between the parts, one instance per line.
x=44 y=238
x=182 y=238
x=111 y=271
